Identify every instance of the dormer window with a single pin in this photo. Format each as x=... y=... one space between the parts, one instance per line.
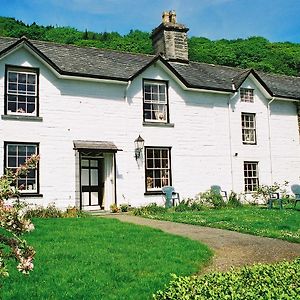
x=247 y=95
x=155 y=101
x=21 y=91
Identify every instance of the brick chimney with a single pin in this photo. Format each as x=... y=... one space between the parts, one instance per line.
x=170 y=38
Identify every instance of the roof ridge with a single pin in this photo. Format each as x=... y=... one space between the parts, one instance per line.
x=276 y=74
x=87 y=47
x=9 y=37
x=148 y=55
x=218 y=65
x=75 y=46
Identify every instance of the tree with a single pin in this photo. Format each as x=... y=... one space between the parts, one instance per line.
x=253 y=52
x=13 y=222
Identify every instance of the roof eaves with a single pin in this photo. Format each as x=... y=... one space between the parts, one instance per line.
x=141 y=70
x=259 y=79
x=239 y=79
x=244 y=75
x=208 y=88
x=25 y=41
x=41 y=55
x=160 y=58
x=85 y=75
x=12 y=46
x=286 y=97
x=176 y=73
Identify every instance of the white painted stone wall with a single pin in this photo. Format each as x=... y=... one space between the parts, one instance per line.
x=206 y=135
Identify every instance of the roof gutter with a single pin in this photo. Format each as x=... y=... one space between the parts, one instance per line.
x=286 y=99
x=87 y=78
x=201 y=89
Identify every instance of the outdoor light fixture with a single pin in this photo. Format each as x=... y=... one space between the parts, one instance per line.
x=139 y=145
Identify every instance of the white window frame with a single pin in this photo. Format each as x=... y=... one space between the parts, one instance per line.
x=157 y=168
x=155 y=97
x=251 y=176
x=23 y=90
x=30 y=183
x=247 y=95
x=248 y=122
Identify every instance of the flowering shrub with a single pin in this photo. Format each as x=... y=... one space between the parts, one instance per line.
x=114 y=208
x=14 y=223
x=264 y=191
x=39 y=211
x=212 y=199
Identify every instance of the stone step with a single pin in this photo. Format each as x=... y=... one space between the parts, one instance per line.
x=102 y=213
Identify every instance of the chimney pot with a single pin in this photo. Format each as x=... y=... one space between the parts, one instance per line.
x=165 y=17
x=172 y=17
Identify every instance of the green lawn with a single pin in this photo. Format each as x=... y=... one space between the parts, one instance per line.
x=283 y=224
x=97 y=258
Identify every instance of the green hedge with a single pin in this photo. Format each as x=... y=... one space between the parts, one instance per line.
x=278 y=281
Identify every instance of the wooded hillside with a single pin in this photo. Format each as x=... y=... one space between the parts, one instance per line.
x=253 y=52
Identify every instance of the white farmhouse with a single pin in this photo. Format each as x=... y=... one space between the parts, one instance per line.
x=82 y=109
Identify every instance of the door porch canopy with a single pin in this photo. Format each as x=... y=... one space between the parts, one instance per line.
x=95 y=146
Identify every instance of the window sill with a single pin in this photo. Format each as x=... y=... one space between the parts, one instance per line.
x=153 y=193
x=158 y=124
x=21 y=118
x=31 y=195
x=253 y=144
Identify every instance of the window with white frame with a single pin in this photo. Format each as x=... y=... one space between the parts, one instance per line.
x=16 y=155
x=155 y=101
x=250 y=176
x=21 y=91
x=247 y=95
x=248 y=128
x=158 y=168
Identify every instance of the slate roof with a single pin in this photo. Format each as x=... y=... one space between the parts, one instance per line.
x=123 y=66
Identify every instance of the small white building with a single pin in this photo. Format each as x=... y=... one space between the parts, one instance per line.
x=82 y=109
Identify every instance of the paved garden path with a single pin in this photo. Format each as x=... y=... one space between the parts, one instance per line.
x=231 y=248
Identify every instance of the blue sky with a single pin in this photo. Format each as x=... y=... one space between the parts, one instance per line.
x=276 y=20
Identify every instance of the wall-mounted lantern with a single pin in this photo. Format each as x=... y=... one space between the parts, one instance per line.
x=139 y=145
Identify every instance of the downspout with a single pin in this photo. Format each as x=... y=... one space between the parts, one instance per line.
x=115 y=177
x=270 y=143
x=126 y=90
x=80 y=187
x=230 y=138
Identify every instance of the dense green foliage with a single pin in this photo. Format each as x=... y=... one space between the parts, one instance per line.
x=283 y=224
x=253 y=52
x=135 y=41
x=279 y=281
x=100 y=258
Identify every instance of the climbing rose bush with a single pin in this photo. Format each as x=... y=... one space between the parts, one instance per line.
x=14 y=223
